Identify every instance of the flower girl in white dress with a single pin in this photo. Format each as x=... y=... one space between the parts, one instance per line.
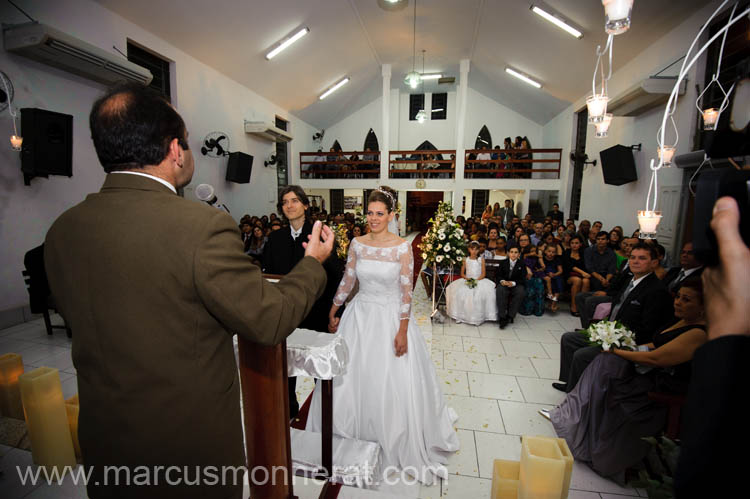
x=390 y=393
x=471 y=299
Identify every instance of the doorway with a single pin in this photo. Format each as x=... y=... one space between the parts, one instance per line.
x=420 y=207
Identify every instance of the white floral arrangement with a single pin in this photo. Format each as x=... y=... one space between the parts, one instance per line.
x=610 y=333
x=444 y=243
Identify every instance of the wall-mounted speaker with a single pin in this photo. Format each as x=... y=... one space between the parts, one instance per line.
x=47 y=144
x=239 y=167
x=618 y=165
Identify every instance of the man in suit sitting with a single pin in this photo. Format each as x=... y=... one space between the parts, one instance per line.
x=644 y=306
x=689 y=266
x=510 y=279
x=155 y=286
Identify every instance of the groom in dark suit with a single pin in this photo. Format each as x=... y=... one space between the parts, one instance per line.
x=510 y=279
x=644 y=306
x=284 y=250
x=154 y=287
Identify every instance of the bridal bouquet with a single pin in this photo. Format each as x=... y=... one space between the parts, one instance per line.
x=610 y=333
x=342 y=241
x=471 y=283
x=444 y=243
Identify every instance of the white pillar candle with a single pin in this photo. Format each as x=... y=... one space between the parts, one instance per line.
x=710 y=116
x=47 y=419
x=542 y=469
x=11 y=367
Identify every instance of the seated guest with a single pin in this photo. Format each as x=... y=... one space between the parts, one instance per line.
x=501 y=251
x=510 y=280
x=552 y=275
x=549 y=240
x=614 y=240
x=643 y=306
x=584 y=227
x=492 y=234
x=623 y=252
x=516 y=235
x=472 y=305
x=565 y=238
x=587 y=302
x=254 y=246
x=659 y=270
x=605 y=418
x=533 y=302
x=482 y=245
x=574 y=269
x=536 y=237
x=689 y=266
x=601 y=262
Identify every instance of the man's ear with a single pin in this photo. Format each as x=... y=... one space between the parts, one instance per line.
x=174 y=152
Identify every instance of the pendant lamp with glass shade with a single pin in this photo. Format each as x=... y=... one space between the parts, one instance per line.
x=413 y=78
x=421 y=115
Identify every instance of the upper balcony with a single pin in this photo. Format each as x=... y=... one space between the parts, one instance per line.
x=511 y=163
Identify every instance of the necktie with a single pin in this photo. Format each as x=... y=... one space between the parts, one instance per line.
x=616 y=308
x=677 y=280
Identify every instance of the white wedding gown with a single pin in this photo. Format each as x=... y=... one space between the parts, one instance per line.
x=472 y=305
x=395 y=401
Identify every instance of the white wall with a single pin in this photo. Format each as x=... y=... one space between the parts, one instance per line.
x=617 y=205
x=501 y=121
x=442 y=133
x=206 y=99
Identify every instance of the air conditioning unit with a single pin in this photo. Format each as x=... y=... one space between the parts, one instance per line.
x=55 y=48
x=267 y=131
x=645 y=95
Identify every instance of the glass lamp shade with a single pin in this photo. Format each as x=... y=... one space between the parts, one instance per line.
x=421 y=116
x=648 y=221
x=412 y=79
x=602 y=127
x=666 y=154
x=617 y=16
x=710 y=117
x=597 y=107
x=16 y=142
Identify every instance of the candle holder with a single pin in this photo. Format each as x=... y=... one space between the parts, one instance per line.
x=617 y=16
x=597 y=107
x=16 y=142
x=11 y=367
x=666 y=155
x=710 y=118
x=648 y=221
x=602 y=127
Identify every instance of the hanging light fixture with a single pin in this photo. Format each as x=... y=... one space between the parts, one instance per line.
x=617 y=16
x=16 y=141
x=413 y=78
x=421 y=115
x=597 y=102
x=666 y=154
x=602 y=127
x=649 y=218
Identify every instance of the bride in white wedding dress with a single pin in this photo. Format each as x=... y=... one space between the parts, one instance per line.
x=390 y=393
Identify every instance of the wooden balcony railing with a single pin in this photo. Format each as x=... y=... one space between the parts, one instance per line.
x=422 y=164
x=510 y=163
x=339 y=164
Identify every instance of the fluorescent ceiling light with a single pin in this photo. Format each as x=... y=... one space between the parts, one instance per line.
x=523 y=77
x=556 y=21
x=438 y=110
x=334 y=88
x=285 y=43
x=431 y=76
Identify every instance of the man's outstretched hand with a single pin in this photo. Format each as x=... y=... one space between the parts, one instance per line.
x=320 y=242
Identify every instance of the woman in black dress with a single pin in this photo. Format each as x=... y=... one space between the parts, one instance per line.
x=574 y=270
x=606 y=416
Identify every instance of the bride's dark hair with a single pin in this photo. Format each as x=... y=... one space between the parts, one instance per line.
x=385 y=195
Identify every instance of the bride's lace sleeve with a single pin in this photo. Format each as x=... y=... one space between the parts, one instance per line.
x=350 y=277
x=407 y=274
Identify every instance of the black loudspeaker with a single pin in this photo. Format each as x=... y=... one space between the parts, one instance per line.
x=618 y=165
x=47 y=144
x=239 y=167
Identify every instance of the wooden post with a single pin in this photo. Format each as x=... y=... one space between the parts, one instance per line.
x=263 y=371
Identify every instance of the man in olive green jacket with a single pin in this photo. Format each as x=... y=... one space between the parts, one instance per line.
x=153 y=287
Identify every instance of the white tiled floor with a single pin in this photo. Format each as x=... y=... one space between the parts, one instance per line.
x=496 y=380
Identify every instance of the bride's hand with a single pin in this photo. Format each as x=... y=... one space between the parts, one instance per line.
x=333 y=324
x=400 y=344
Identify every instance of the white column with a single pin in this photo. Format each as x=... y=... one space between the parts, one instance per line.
x=461 y=104
x=385 y=145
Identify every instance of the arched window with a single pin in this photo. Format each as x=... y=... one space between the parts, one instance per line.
x=484 y=139
x=427 y=146
x=371 y=141
x=336 y=146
